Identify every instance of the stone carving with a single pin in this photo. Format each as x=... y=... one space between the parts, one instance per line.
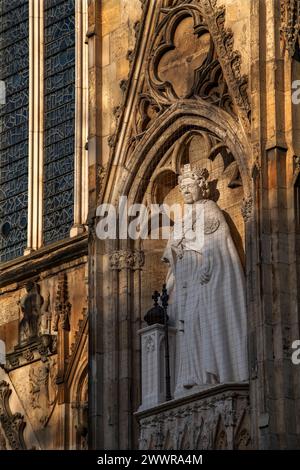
x=296 y=163
x=30 y=306
x=62 y=305
x=101 y=175
x=183 y=40
x=209 y=68
x=2 y=441
x=42 y=388
x=46 y=317
x=200 y=424
x=28 y=355
x=148 y=110
x=229 y=58
x=247 y=208
x=290 y=24
x=126 y=259
x=149 y=344
x=35 y=334
x=213 y=343
x=12 y=424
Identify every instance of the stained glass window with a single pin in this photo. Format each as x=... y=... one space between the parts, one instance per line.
x=14 y=72
x=59 y=119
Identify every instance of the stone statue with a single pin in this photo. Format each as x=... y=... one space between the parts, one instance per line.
x=30 y=305
x=206 y=282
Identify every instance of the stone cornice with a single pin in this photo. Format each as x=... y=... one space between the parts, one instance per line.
x=43 y=259
x=228 y=389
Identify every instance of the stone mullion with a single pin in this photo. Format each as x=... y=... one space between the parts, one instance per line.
x=81 y=118
x=36 y=124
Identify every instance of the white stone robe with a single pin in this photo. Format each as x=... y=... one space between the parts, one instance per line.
x=209 y=296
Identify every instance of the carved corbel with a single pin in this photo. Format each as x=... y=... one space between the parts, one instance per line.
x=126 y=259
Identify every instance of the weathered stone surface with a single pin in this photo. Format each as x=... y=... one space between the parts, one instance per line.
x=213 y=419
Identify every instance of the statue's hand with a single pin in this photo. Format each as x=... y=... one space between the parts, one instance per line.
x=204 y=278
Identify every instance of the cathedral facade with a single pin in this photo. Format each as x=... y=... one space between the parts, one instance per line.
x=147 y=101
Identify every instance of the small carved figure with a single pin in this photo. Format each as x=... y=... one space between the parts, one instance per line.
x=30 y=305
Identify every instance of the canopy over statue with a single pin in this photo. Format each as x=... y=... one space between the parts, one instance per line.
x=206 y=280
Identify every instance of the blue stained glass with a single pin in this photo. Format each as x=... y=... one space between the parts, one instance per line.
x=8 y=5
x=12 y=57
x=8 y=205
x=59 y=118
x=14 y=70
x=59 y=62
x=10 y=172
x=61 y=132
x=61 y=10
x=60 y=97
x=60 y=80
x=14 y=16
x=58 y=167
x=60 y=149
x=59 y=201
x=52 y=3
x=13 y=136
x=15 y=152
x=19 y=82
x=54 y=118
x=13 y=119
x=60 y=45
x=17 y=100
x=8 y=37
x=59 y=29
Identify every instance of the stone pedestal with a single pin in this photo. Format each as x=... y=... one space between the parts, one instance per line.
x=153 y=364
x=216 y=418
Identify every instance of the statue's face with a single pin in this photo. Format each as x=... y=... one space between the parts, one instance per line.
x=190 y=190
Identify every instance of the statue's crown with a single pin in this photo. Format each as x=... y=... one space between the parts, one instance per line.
x=194 y=173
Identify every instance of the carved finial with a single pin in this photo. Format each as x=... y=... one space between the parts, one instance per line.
x=155 y=297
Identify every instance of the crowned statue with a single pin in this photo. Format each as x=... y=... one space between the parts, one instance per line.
x=207 y=284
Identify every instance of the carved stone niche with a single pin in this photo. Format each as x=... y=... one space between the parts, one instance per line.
x=217 y=418
x=35 y=331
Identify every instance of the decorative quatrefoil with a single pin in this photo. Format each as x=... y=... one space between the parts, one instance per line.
x=187 y=53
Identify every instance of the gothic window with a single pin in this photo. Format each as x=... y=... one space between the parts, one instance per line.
x=59 y=118
x=14 y=71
